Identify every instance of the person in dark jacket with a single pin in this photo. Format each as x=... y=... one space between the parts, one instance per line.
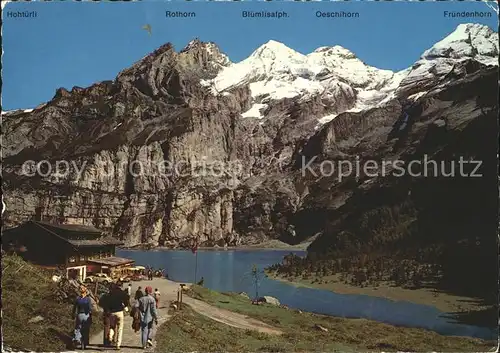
x=126 y=292
x=82 y=310
x=104 y=304
x=118 y=301
x=139 y=293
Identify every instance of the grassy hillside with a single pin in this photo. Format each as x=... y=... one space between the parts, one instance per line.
x=188 y=331
x=28 y=292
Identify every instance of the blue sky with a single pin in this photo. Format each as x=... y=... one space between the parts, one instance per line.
x=79 y=43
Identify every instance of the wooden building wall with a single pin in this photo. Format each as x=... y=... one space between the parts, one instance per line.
x=40 y=247
x=45 y=248
x=81 y=255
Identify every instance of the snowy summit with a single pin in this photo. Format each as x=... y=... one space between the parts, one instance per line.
x=275 y=71
x=468 y=40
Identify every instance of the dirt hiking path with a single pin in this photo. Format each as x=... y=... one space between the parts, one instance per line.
x=229 y=317
x=131 y=341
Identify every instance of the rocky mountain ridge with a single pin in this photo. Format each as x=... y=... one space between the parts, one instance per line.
x=249 y=123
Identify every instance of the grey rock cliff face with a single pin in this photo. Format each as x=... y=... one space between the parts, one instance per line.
x=116 y=137
x=156 y=157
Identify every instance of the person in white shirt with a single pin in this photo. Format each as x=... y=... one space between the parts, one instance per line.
x=157 y=298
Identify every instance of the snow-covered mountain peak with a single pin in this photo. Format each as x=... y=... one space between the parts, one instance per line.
x=342 y=63
x=274 y=72
x=475 y=29
x=467 y=40
x=336 y=50
x=274 y=50
x=268 y=69
x=277 y=71
x=275 y=56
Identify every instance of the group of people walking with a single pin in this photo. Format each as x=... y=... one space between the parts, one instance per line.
x=115 y=303
x=151 y=273
x=139 y=294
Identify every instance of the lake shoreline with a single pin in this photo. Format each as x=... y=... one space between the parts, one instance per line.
x=302 y=331
x=231 y=272
x=447 y=303
x=271 y=245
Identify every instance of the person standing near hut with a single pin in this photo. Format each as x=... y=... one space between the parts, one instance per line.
x=82 y=310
